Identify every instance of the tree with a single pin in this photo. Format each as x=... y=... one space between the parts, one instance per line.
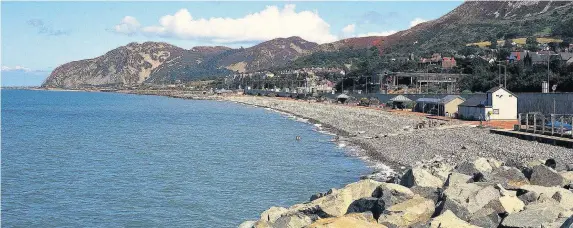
x=493 y=43
x=531 y=43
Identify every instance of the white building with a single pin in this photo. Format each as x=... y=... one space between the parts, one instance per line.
x=497 y=104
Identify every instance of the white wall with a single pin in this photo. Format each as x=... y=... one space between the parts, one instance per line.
x=506 y=103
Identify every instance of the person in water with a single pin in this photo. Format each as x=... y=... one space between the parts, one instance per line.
x=297 y=138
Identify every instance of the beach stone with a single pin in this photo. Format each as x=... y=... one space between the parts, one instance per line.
x=508 y=177
x=527 y=168
x=565 y=197
x=545 y=176
x=458 y=178
x=296 y=220
x=534 y=215
x=569 y=167
x=408 y=213
x=472 y=168
x=272 y=214
x=449 y=220
x=466 y=199
x=247 y=224
x=357 y=220
x=420 y=177
x=316 y=196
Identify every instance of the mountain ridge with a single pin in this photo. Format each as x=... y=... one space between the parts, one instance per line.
x=158 y=62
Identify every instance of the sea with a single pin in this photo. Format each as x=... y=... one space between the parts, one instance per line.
x=91 y=159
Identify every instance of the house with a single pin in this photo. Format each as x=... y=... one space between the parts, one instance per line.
x=446 y=106
x=448 y=62
x=498 y=102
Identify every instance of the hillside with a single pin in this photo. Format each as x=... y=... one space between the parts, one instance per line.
x=475 y=21
x=471 y=22
x=269 y=54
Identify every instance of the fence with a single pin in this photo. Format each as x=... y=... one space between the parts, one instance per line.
x=553 y=124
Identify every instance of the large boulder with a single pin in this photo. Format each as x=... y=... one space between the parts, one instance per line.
x=561 y=195
x=568 y=176
x=420 y=177
x=480 y=166
x=247 y=224
x=449 y=220
x=535 y=215
x=546 y=176
x=368 y=204
x=486 y=217
x=296 y=220
x=508 y=177
x=272 y=214
x=408 y=213
x=337 y=203
x=354 y=220
x=466 y=199
x=458 y=178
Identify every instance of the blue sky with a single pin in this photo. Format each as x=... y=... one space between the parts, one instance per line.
x=39 y=36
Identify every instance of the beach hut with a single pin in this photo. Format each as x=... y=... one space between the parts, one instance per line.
x=450 y=105
x=427 y=105
x=497 y=104
x=400 y=101
x=342 y=98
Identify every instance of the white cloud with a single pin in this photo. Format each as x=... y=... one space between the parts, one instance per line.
x=128 y=25
x=349 y=29
x=270 y=23
x=417 y=21
x=383 y=33
x=16 y=68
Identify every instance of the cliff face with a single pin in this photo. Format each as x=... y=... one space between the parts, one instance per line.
x=127 y=65
x=153 y=62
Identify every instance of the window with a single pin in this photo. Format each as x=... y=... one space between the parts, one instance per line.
x=496 y=111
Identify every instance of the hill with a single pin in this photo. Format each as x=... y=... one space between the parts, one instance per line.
x=471 y=22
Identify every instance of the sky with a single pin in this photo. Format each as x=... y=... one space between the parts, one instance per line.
x=36 y=37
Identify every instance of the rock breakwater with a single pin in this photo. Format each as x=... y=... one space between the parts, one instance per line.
x=476 y=193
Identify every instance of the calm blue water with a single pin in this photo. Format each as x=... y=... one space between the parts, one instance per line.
x=78 y=159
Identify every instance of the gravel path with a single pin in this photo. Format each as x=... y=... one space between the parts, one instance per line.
x=391 y=139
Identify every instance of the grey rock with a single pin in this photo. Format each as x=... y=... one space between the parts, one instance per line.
x=472 y=168
x=508 y=177
x=466 y=199
x=295 y=220
x=434 y=194
x=247 y=224
x=569 y=167
x=529 y=197
x=458 y=178
x=486 y=217
x=534 y=215
x=545 y=176
x=420 y=177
